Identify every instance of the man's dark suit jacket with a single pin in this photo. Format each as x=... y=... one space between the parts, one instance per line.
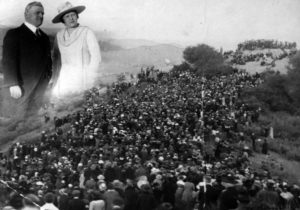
x=76 y=204
x=27 y=63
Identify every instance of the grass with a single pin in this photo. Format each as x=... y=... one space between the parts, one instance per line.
x=284 y=159
x=286 y=133
x=278 y=165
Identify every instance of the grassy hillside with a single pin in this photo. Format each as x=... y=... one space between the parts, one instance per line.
x=278 y=166
x=274 y=62
x=253 y=67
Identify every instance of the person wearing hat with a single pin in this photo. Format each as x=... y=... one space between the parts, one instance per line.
x=130 y=195
x=267 y=198
x=145 y=199
x=76 y=203
x=110 y=195
x=189 y=195
x=49 y=202
x=63 y=199
x=76 y=54
x=208 y=193
x=27 y=66
x=179 y=204
x=243 y=198
x=96 y=201
x=228 y=198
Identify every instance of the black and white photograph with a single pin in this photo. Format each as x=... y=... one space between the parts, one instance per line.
x=149 y=105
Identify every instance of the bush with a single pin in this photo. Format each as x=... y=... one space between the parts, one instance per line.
x=274 y=94
x=203 y=59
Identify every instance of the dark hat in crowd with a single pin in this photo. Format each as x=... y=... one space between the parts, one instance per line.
x=49 y=197
x=75 y=193
x=118 y=184
x=243 y=195
x=145 y=188
x=230 y=179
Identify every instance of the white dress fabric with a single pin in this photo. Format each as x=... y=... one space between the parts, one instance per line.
x=80 y=59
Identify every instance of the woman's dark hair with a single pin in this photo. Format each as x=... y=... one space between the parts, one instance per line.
x=95 y=195
x=49 y=197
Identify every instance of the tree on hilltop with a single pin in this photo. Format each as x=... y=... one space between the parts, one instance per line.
x=203 y=59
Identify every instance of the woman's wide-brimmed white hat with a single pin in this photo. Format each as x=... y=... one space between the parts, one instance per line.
x=66 y=8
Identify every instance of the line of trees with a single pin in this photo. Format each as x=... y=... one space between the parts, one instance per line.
x=266 y=44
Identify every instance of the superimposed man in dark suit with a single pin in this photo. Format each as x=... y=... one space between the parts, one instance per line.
x=26 y=64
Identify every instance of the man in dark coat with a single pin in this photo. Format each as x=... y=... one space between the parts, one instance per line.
x=63 y=200
x=76 y=203
x=146 y=199
x=26 y=64
x=130 y=195
x=228 y=198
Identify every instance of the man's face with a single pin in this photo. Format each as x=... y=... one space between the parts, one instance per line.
x=35 y=15
x=70 y=20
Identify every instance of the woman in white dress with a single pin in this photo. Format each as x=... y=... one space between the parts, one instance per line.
x=76 y=53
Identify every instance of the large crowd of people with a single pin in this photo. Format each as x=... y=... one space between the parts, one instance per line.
x=176 y=141
x=265 y=59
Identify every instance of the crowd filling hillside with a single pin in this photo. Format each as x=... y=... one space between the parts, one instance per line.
x=168 y=141
x=266 y=52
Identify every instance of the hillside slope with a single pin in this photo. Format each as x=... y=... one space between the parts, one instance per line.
x=132 y=60
x=131 y=43
x=260 y=60
x=254 y=66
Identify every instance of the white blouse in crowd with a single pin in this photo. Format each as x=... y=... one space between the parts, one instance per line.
x=97 y=205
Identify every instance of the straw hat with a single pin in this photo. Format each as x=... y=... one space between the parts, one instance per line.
x=66 y=8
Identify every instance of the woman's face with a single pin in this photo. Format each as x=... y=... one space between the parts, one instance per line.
x=70 y=20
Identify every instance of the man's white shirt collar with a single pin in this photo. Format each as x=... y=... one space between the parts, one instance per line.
x=31 y=27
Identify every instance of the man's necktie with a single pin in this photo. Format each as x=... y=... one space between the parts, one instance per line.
x=38 y=32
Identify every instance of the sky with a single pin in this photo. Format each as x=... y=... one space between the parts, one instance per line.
x=219 y=23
